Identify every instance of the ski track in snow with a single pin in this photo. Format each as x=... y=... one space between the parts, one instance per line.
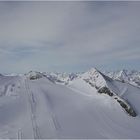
x=33 y=111
x=53 y=117
x=52 y=123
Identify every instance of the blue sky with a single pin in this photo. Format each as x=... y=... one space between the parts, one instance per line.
x=69 y=36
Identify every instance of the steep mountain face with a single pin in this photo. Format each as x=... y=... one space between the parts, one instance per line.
x=122 y=76
x=90 y=105
x=131 y=77
x=94 y=78
x=102 y=84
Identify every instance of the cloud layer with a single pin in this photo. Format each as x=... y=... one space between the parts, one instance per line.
x=69 y=36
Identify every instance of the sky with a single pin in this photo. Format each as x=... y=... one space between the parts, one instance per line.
x=69 y=36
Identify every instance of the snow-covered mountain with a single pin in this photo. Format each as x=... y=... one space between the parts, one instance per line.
x=131 y=77
x=86 y=105
x=61 y=78
x=105 y=85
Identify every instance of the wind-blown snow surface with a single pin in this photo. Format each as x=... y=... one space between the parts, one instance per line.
x=41 y=109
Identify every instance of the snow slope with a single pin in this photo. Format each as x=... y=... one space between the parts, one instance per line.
x=39 y=108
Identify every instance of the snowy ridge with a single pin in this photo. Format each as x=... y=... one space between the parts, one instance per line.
x=105 y=85
x=94 y=77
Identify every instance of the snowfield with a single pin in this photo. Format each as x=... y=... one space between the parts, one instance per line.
x=90 y=105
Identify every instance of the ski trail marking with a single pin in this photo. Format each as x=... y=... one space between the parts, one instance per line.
x=33 y=111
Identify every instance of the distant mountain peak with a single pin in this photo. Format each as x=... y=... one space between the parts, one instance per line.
x=94 y=77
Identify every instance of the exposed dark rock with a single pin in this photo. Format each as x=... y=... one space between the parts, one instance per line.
x=122 y=104
x=32 y=75
x=127 y=108
x=33 y=78
x=106 y=91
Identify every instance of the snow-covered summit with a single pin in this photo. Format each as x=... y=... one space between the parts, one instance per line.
x=94 y=77
x=122 y=75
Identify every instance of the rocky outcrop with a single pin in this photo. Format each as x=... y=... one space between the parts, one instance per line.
x=32 y=75
x=105 y=90
x=126 y=106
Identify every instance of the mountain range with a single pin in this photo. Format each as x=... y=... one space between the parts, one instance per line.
x=92 y=104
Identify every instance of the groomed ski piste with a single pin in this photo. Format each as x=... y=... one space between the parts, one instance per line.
x=38 y=108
